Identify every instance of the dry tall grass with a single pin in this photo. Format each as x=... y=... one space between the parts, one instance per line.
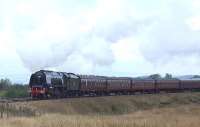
x=183 y=116
x=165 y=110
x=112 y=105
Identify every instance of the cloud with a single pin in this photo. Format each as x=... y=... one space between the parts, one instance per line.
x=119 y=37
x=54 y=38
x=171 y=36
x=194 y=23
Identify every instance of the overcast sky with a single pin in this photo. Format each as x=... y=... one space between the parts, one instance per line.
x=104 y=37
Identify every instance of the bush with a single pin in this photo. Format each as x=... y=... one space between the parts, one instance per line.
x=17 y=91
x=7 y=89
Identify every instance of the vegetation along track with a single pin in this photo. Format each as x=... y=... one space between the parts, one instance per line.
x=26 y=99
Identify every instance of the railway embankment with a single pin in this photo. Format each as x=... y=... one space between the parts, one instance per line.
x=149 y=110
x=109 y=105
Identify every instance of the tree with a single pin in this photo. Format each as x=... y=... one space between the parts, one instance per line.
x=155 y=76
x=196 y=76
x=168 y=76
x=5 y=83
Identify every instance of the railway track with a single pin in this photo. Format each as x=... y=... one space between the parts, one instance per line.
x=9 y=100
x=26 y=99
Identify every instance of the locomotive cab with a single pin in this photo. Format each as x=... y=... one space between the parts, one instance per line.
x=72 y=83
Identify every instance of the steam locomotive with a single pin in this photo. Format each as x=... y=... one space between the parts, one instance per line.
x=51 y=84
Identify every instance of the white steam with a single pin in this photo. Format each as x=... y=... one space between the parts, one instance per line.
x=80 y=38
x=61 y=37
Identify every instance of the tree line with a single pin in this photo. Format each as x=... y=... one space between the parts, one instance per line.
x=158 y=76
x=9 y=89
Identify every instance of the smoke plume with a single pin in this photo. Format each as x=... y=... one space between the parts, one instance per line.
x=82 y=38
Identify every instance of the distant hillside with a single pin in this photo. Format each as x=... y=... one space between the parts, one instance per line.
x=189 y=77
